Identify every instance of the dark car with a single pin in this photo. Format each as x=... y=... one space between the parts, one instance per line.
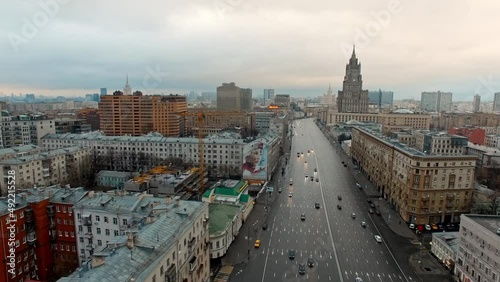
x=315 y=170
x=370 y=211
x=340 y=198
x=310 y=261
x=369 y=201
x=316 y=205
x=312 y=178
x=339 y=207
x=345 y=165
x=377 y=212
x=264 y=227
x=372 y=205
x=291 y=254
x=302 y=269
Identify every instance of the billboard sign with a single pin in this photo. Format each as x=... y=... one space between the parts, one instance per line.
x=255 y=161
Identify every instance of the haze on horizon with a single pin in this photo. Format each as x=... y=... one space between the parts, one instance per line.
x=70 y=48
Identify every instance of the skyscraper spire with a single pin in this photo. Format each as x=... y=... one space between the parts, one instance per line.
x=127 y=90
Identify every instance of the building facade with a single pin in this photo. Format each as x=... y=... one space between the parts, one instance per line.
x=496 y=102
x=422 y=188
x=24 y=129
x=478 y=256
x=137 y=114
x=68 y=165
x=475 y=134
x=233 y=98
x=381 y=98
x=352 y=98
x=445 y=247
x=436 y=101
x=476 y=103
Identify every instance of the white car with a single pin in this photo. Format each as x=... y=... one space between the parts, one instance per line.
x=412 y=226
x=290 y=194
x=378 y=239
x=358 y=279
x=428 y=227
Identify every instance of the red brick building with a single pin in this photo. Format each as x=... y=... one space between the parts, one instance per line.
x=476 y=135
x=44 y=234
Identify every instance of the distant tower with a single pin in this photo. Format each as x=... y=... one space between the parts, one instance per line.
x=352 y=98
x=104 y=91
x=127 y=90
x=496 y=102
x=476 y=104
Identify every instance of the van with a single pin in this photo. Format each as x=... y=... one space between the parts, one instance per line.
x=291 y=181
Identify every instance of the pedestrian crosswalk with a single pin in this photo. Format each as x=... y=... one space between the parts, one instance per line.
x=298 y=252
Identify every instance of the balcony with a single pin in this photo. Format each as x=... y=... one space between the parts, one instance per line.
x=193 y=264
x=450 y=196
x=50 y=210
x=89 y=247
x=89 y=235
x=32 y=238
x=425 y=198
x=28 y=213
x=52 y=225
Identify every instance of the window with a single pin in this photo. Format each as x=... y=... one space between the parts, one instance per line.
x=97 y=218
x=106 y=219
x=98 y=230
x=107 y=232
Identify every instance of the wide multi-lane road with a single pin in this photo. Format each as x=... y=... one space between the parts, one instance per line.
x=342 y=249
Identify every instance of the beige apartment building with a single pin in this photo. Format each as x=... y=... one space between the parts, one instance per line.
x=422 y=188
x=60 y=166
x=449 y=120
x=391 y=122
x=137 y=115
x=215 y=121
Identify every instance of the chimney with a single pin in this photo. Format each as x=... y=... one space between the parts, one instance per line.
x=130 y=240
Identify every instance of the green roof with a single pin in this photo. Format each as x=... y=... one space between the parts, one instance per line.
x=221 y=215
x=230 y=187
x=244 y=198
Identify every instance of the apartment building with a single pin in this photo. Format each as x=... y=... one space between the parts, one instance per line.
x=71 y=125
x=19 y=151
x=422 y=188
x=440 y=143
x=24 y=129
x=214 y=121
x=492 y=141
x=44 y=233
x=233 y=98
x=136 y=114
x=225 y=225
x=436 y=101
x=449 y=120
x=169 y=242
x=478 y=256
x=475 y=134
x=445 y=247
x=397 y=120
x=58 y=166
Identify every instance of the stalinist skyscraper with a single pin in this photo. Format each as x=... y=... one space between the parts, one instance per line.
x=127 y=90
x=352 y=98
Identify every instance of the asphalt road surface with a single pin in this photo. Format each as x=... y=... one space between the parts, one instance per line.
x=342 y=249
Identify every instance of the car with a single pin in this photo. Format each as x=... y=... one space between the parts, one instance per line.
x=377 y=212
x=339 y=197
x=264 y=226
x=412 y=226
x=291 y=254
x=378 y=239
x=440 y=227
x=363 y=224
x=369 y=201
x=307 y=175
x=279 y=190
x=308 y=151
x=315 y=170
x=358 y=279
x=345 y=165
x=257 y=244
x=310 y=261
x=428 y=227
x=291 y=181
x=301 y=153
x=359 y=186
x=317 y=179
x=372 y=205
x=370 y=211
x=290 y=194
x=353 y=215
x=339 y=207
x=312 y=149
x=343 y=162
x=434 y=227
x=302 y=269
x=316 y=205
x=298 y=155
x=312 y=178
x=305 y=161
x=303 y=217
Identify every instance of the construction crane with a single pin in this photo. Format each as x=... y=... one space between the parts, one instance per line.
x=200 y=116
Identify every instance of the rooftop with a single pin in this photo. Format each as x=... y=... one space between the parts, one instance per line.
x=119 y=203
x=221 y=215
x=228 y=188
x=42 y=156
x=404 y=148
x=486 y=150
x=490 y=222
x=452 y=239
x=113 y=173
x=151 y=243
x=19 y=150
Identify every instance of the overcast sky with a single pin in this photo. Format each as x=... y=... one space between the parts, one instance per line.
x=75 y=47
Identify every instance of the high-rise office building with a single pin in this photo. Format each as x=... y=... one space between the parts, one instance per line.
x=476 y=105
x=137 y=114
x=381 y=98
x=496 y=102
x=352 y=98
x=436 y=101
x=268 y=96
x=233 y=98
x=104 y=91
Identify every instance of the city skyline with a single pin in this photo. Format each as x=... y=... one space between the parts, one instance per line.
x=69 y=48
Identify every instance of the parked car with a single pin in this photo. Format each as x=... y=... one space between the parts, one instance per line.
x=370 y=211
x=353 y=215
x=363 y=224
x=434 y=227
x=303 y=217
x=257 y=244
x=412 y=226
x=339 y=207
x=428 y=227
x=377 y=212
x=378 y=239
x=339 y=197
